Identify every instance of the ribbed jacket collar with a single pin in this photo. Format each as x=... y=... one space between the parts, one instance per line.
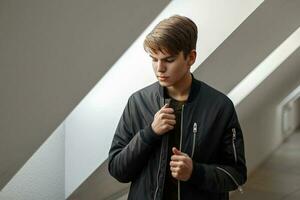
x=195 y=87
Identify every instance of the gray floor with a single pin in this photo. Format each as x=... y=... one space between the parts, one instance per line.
x=279 y=177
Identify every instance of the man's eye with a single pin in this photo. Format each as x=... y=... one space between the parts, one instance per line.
x=170 y=60
x=154 y=60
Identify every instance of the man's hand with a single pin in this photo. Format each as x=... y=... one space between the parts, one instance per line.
x=164 y=120
x=181 y=165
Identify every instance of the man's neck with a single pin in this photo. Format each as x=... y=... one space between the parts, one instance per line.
x=180 y=92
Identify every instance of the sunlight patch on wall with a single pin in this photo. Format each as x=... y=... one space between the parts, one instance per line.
x=265 y=68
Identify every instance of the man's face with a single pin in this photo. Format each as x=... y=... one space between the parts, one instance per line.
x=170 y=70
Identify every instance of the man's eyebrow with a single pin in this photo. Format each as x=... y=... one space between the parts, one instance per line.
x=165 y=58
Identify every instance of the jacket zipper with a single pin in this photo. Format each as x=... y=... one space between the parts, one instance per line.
x=181 y=127
x=157 y=177
x=233 y=144
x=234 y=180
x=194 y=138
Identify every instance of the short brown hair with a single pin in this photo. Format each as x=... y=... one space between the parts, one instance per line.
x=172 y=35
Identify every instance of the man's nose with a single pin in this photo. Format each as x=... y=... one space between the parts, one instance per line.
x=160 y=66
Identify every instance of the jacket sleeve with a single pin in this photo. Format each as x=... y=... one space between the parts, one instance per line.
x=230 y=172
x=130 y=150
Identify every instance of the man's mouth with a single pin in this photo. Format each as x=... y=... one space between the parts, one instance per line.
x=162 y=78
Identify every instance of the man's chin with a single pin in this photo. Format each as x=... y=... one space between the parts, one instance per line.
x=164 y=84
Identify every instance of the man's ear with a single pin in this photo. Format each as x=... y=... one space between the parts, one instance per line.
x=192 y=57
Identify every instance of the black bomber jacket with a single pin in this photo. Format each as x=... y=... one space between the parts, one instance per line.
x=211 y=135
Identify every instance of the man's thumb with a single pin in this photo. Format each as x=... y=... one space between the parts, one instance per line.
x=166 y=105
x=176 y=151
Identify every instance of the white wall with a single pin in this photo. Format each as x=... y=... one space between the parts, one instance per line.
x=262 y=133
x=51 y=54
x=42 y=177
x=261 y=112
x=262 y=129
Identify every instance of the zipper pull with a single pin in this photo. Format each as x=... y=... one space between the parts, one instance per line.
x=240 y=189
x=233 y=134
x=195 y=128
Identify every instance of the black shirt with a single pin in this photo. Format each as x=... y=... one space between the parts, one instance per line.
x=171 y=184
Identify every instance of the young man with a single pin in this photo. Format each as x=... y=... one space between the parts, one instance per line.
x=178 y=138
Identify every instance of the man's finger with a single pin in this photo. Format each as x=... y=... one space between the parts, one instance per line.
x=175 y=174
x=176 y=163
x=178 y=158
x=174 y=168
x=169 y=121
x=168 y=127
x=167 y=110
x=167 y=116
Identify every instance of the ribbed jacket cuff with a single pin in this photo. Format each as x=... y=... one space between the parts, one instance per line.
x=149 y=136
x=197 y=174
